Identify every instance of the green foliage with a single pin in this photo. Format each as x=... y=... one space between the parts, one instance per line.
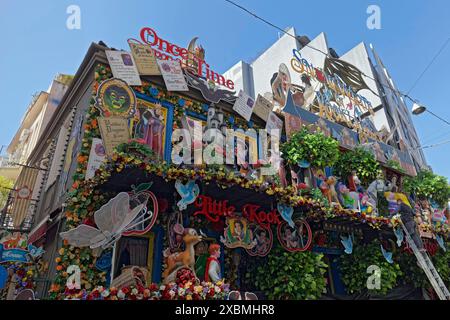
x=135 y=147
x=318 y=149
x=354 y=269
x=395 y=165
x=413 y=274
x=289 y=275
x=427 y=185
x=360 y=160
x=5 y=186
x=316 y=194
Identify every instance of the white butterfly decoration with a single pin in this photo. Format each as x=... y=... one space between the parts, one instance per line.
x=112 y=219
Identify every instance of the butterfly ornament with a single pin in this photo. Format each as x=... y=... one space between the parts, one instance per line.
x=112 y=219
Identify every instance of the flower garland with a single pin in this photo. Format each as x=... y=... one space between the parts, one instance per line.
x=172 y=291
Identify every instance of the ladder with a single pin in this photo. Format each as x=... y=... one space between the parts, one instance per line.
x=428 y=267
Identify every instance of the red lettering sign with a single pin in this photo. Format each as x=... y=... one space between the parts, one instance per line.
x=213 y=210
x=164 y=50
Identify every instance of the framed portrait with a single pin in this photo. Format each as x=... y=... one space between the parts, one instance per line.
x=150 y=126
x=262 y=239
x=295 y=239
x=237 y=234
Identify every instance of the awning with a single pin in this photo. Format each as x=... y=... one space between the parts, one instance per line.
x=39 y=231
x=22 y=195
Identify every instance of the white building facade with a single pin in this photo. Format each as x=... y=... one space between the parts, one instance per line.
x=389 y=113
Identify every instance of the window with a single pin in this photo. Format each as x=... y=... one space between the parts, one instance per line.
x=134 y=251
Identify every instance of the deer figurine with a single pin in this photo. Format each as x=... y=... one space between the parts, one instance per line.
x=186 y=258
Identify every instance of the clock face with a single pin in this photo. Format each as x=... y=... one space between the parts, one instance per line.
x=24 y=193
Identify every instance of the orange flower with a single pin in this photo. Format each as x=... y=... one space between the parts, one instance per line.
x=58 y=260
x=59 y=267
x=94 y=123
x=82 y=159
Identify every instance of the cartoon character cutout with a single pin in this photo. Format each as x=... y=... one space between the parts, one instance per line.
x=263 y=240
x=295 y=239
x=237 y=234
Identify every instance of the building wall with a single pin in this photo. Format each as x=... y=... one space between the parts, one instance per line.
x=392 y=111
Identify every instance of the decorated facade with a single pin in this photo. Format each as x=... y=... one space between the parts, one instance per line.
x=181 y=188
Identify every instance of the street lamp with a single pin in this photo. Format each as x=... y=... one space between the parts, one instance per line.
x=419 y=109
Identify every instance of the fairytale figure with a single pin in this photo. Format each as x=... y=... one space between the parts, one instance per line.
x=291 y=239
x=354 y=183
x=238 y=232
x=212 y=270
x=153 y=130
x=262 y=242
x=281 y=82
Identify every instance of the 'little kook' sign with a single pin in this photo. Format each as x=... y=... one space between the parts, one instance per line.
x=213 y=210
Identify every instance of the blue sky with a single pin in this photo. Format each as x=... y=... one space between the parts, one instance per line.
x=36 y=45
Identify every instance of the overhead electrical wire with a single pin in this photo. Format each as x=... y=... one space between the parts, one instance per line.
x=405 y=95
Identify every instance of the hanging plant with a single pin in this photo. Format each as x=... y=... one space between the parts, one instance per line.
x=354 y=269
x=360 y=160
x=299 y=275
x=394 y=164
x=427 y=185
x=316 y=148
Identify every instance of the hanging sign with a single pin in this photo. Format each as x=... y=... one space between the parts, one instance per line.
x=14 y=248
x=116 y=98
x=173 y=75
x=237 y=234
x=96 y=157
x=263 y=107
x=145 y=59
x=114 y=131
x=244 y=105
x=123 y=67
x=274 y=124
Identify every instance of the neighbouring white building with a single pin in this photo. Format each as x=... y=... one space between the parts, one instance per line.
x=29 y=176
x=375 y=86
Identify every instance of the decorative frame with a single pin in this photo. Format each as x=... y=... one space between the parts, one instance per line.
x=299 y=223
x=255 y=228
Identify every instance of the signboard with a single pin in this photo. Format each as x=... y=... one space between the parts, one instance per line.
x=173 y=75
x=96 y=157
x=114 y=131
x=263 y=107
x=244 y=105
x=123 y=67
x=14 y=248
x=145 y=59
x=116 y=98
x=274 y=123
x=191 y=58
